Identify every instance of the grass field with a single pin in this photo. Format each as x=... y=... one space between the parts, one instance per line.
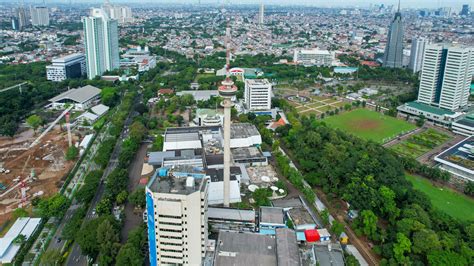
x=419 y=144
x=444 y=199
x=369 y=124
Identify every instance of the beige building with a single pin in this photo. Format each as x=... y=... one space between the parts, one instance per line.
x=177 y=219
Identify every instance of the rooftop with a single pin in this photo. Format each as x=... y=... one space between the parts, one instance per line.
x=429 y=108
x=300 y=216
x=231 y=214
x=287 y=203
x=460 y=156
x=217 y=175
x=79 y=95
x=66 y=58
x=324 y=256
x=467 y=121
x=271 y=215
x=257 y=82
x=175 y=185
x=287 y=247
x=243 y=130
x=245 y=249
x=246 y=153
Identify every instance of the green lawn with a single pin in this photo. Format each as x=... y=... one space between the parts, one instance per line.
x=369 y=124
x=453 y=203
x=419 y=144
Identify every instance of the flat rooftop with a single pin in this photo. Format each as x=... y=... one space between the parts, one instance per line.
x=329 y=258
x=244 y=249
x=217 y=175
x=300 y=216
x=287 y=203
x=460 y=155
x=257 y=82
x=271 y=215
x=287 y=247
x=246 y=153
x=469 y=122
x=174 y=185
x=231 y=214
x=243 y=130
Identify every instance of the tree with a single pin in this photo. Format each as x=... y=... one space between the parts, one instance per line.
x=109 y=96
x=20 y=239
x=389 y=207
x=121 y=197
x=34 y=121
x=20 y=212
x=325 y=216
x=337 y=228
x=424 y=241
x=446 y=257
x=87 y=238
x=402 y=246
x=108 y=240
x=469 y=189
x=72 y=153
x=54 y=206
x=137 y=198
x=369 y=223
x=103 y=206
x=261 y=196
x=51 y=257
x=129 y=255
x=420 y=121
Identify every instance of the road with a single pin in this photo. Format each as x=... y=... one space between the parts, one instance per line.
x=76 y=257
x=133 y=219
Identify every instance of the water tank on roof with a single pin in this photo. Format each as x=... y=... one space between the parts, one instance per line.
x=163 y=172
x=190 y=181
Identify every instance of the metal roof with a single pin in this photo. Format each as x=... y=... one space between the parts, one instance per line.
x=231 y=214
x=429 y=108
x=79 y=95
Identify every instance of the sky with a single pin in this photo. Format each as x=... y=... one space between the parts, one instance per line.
x=457 y=4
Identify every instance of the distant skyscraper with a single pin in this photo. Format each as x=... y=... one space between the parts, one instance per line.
x=416 y=56
x=465 y=10
x=261 y=14
x=15 y=24
x=22 y=18
x=101 y=43
x=446 y=76
x=39 y=16
x=122 y=14
x=393 y=56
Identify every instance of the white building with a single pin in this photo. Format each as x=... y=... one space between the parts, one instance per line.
x=416 y=56
x=8 y=248
x=209 y=117
x=446 y=76
x=261 y=14
x=123 y=14
x=140 y=58
x=177 y=219
x=313 y=57
x=82 y=98
x=101 y=43
x=258 y=94
x=39 y=16
x=70 y=66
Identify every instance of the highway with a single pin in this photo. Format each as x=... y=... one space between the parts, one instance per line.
x=76 y=257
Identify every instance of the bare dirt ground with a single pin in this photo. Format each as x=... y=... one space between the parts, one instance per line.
x=46 y=162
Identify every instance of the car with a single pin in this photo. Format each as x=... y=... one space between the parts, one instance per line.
x=58 y=240
x=93 y=211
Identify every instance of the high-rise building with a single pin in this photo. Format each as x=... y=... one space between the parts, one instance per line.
x=177 y=219
x=22 y=18
x=393 y=56
x=258 y=94
x=101 y=43
x=39 y=16
x=465 y=11
x=15 y=23
x=70 y=66
x=122 y=14
x=416 y=56
x=446 y=76
x=261 y=14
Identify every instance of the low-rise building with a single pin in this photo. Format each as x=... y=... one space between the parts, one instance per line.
x=271 y=218
x=8 y=247
x=435 y=115
x=82 y=98
x=458 y=160
x=231 y=219
x=464 y=126
x=67 y=67
x=313 y=57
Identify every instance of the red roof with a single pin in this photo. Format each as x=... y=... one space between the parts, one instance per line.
x=143 y=181
x=312 y=235
x=165 y=91
x=369 y=63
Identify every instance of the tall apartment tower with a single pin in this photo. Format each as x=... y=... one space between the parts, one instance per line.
x=465 y=10
x=393 y=56
x=177 y=219
x=39 y=16
x=258 y=94
x=446 y=76
x=418 y=46
x=261 y=14
x=22 y=18
x=101 y=43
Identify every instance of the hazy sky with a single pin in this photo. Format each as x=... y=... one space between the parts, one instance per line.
x=322 y=3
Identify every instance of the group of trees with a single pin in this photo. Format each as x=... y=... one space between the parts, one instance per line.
x=400 y=220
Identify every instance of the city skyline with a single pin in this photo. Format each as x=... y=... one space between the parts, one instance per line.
x=318 y=3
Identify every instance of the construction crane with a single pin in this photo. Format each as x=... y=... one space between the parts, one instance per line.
x=65 y=112
x=14 y=87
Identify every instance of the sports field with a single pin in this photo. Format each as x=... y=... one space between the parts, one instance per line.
x=369 y=125
x=452 y=203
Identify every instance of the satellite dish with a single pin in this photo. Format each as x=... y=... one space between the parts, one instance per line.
x=274 y=188
x=252 y=188
x=281 y=191
x=265 y=178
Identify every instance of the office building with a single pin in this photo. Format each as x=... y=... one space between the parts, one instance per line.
x=446 y=76
x=22 y=18
x=101 y=43
x=66 y=67
x=465 y=11
x=313 y=57
x=258 y=94
x=261 y=14
x=123 y=14
x=457 y=160
x=416 y=56
x=39 y=16
x=177 y=219
x=15 y=24
x=393 y=56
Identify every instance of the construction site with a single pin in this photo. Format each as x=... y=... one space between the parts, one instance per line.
x=32 y=165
